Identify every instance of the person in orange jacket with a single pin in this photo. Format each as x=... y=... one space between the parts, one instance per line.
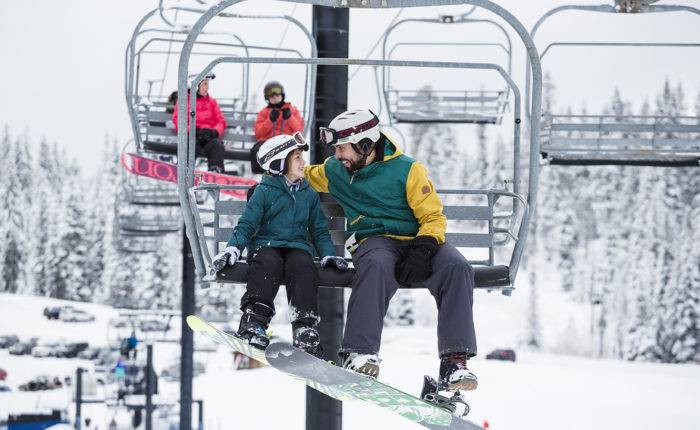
x=278 y=117
x=210 y=125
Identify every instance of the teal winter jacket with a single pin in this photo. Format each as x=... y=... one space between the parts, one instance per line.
x=279 y=218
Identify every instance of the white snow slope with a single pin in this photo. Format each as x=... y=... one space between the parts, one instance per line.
x=540 y=391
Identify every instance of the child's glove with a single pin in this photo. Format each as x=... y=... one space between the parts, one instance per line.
x=274 y=114
x=229 y=255
x=338 y=263
x=286 y=113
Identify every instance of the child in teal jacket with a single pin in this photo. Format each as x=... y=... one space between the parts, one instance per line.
x=282 y=212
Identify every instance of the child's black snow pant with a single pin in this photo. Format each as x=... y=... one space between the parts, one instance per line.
x=374 y=284
x=270 y=267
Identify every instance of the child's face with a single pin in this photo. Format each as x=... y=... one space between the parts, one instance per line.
x=295 y=171
x=275 y=98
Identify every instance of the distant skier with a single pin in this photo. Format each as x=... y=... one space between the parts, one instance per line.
x=132 y=342
x=281 y=212
x=278 y=117
x=210 y=125
x=397 y=238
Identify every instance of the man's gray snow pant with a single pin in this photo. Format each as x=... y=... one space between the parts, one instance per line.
x=374 y=284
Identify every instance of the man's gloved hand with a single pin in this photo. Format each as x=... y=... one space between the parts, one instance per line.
x=206 y=134
x=415 y=264
x=274 y=114
x=338 y=263
x=229 y=255
x=286 y=113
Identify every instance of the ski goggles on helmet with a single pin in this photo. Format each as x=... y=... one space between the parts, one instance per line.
x=274 y=91
x=297 y=142
x=329 y=136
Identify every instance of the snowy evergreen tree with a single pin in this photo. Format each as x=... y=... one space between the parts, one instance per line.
x=401 y=309
x=42 y=217
x=73 y=240
x=11 y=219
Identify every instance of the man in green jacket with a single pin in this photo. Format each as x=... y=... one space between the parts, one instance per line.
x=281 y=213
x=397 y=237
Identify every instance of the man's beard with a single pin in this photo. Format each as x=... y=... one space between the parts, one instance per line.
x=354 y=165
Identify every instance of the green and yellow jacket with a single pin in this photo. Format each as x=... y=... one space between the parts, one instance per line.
x=393 y=196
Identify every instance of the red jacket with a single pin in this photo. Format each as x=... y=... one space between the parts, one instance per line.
x=265 y=129
x=208 y=115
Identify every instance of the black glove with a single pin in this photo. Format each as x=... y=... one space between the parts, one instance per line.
x=206 y=134
x=286 y=113
x=274 y=114
x=415 y=263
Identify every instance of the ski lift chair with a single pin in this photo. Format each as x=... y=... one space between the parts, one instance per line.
x=149 y=222
x=669 y=141
x=152 y=125
x=485 y=227
x=498 y=218
x=137 y=242
x=445 y=106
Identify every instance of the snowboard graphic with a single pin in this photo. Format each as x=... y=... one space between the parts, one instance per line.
x=337 y=382
x=163 y=171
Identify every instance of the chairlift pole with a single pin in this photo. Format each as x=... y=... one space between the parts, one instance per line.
x=330 y=28
x=186 y=335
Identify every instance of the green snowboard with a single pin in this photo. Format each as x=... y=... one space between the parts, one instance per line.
x=337 y=382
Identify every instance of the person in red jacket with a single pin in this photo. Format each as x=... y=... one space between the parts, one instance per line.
x=210 y=127
x=278 y=117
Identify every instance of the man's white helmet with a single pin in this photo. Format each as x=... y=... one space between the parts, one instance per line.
x=352 y=126
x=274 y=151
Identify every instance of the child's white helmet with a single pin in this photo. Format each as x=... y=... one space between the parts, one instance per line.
x=274 y=151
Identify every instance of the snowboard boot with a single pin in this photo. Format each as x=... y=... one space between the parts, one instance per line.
x=365 y=364
x=254 y=321
x=454 y=373
x=307 y=339
x=304 y=332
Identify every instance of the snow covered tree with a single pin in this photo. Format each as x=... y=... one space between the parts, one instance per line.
x=11 y=219
x=73 y=239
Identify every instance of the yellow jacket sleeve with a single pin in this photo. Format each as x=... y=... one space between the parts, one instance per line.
x=316 y=175
x=425 y=203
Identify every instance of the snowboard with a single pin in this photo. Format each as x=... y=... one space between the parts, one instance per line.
x=164 y=171
x=337 y=382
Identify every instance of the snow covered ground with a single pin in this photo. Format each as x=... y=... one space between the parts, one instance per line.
x=539 y=391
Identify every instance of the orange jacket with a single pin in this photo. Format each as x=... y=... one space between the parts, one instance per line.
x=265 y=129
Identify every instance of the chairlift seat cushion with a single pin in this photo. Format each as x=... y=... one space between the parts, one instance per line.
x=485 y=277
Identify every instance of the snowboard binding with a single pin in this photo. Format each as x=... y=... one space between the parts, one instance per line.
x=438 y=394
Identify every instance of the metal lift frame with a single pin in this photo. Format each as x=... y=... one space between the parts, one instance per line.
x=655 y=151
x=186 y=147
x=132 y=60
x=501 y=99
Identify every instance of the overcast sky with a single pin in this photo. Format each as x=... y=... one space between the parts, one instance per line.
x=63 y=61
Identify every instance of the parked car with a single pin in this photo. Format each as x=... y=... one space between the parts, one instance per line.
x=41 y=383
x=22 y=348
x=8 y=340
x=71 y=349
x=47 y=348
x=153 y=325
x=4 y=388
x=172 y=373
x=3 y=374
x=76 y=315
x=52 y=312
x=501 y=354
x=93 y=352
